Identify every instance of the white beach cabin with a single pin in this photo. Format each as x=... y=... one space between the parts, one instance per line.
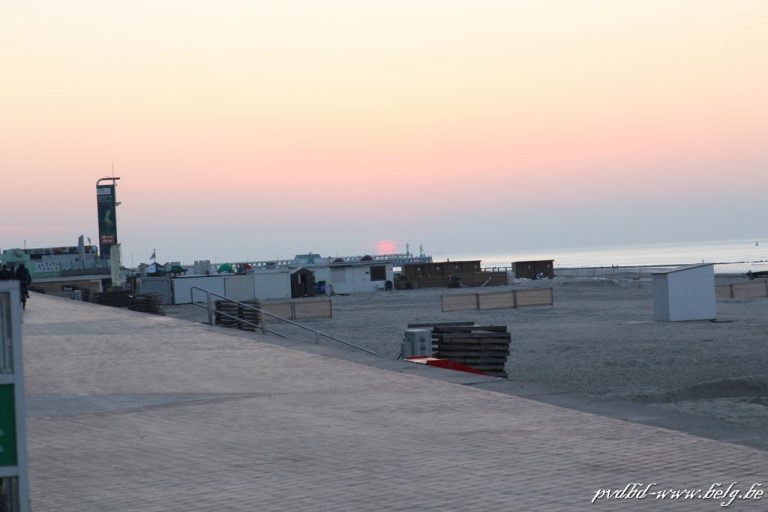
x=363 y=276
x=684 y=293
x=260 y=285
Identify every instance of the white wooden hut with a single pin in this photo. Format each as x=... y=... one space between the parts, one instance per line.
x=684 y=293
x=356 y=277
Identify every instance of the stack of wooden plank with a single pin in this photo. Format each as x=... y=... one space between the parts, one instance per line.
x=482 y=347
x=86 y=295
x=146 y=303
x=252 y=317
x=226 y=313
x=116 y=299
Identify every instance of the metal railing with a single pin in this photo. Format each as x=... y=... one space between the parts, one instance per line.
x=211 y=310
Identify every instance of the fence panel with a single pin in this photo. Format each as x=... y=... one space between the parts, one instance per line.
x=496 y=300
x=313 y=309
x=299 y=310
x=506 y=300
x=458 y=302
x=281 y=309
x=754 y=290
x=539 y=297
x=724 y=291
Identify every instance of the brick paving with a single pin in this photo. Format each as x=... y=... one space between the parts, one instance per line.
x=134 y=412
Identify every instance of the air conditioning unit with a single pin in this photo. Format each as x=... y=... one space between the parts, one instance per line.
x=417 y=342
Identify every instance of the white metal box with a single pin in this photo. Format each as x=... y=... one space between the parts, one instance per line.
x=417 y=342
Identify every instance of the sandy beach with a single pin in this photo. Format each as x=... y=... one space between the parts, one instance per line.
x=598 y=339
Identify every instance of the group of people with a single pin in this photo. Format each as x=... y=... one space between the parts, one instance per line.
x=22 y=275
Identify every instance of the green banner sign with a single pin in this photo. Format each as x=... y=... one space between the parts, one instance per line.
x=7 y=426
x=105 y=201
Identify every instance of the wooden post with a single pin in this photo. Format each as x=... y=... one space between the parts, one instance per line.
x=514 y=299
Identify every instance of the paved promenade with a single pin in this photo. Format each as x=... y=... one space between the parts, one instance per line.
x=134 y=412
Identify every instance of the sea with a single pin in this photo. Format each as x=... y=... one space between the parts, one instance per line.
x=730 y=257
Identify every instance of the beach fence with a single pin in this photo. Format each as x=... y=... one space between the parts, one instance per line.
x=753 y=290
x=233 y=314
x=505 y=300
x=613 y=272
x=300 y=310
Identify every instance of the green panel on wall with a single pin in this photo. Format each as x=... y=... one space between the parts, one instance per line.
x=7 y=426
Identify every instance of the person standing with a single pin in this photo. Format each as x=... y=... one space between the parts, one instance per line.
x=25 y=279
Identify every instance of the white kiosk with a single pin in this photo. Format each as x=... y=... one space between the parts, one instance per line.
x=14 y=487
x=684 y=293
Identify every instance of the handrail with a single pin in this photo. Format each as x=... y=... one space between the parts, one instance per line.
x=210 y=309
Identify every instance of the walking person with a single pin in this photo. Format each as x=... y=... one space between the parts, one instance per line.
x=25 y=279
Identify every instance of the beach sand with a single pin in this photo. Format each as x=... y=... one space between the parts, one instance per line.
x=598 y=339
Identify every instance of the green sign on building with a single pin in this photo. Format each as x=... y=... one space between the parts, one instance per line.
x=105 y=202
x=7 y=426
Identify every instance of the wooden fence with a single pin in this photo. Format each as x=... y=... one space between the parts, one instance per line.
x=753 y=290
x=300 y=310
x=506 y=300
x=230 y=314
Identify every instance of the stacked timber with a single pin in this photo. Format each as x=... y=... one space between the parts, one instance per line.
x=251 y=317
x=146 y=303
x=86 y=295
x=226 y=313
x=116 y=299
x=482 y=347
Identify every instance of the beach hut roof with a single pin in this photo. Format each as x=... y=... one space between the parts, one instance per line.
x=681 y=269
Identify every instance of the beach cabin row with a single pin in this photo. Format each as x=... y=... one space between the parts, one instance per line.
x=448 y=274
x=309 y=281
x=534 y=269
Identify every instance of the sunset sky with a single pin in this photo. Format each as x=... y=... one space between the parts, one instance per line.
x=262 y=129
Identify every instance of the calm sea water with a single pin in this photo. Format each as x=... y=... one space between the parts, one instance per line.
x=734 y=256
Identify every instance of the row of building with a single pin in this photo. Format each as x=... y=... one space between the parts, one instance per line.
x=60 y=270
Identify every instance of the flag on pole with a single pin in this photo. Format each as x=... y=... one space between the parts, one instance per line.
x=153 y=257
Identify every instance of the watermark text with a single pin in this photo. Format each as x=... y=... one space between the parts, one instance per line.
x=726 y=493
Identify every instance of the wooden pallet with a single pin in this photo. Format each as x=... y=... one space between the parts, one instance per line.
x=482 y=347
x=146 y=303
x=225 y=313
x=251 y=316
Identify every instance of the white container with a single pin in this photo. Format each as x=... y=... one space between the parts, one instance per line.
x=417 y=342
x=684 y=293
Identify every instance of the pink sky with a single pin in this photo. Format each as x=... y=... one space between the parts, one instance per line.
x=265 y=129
